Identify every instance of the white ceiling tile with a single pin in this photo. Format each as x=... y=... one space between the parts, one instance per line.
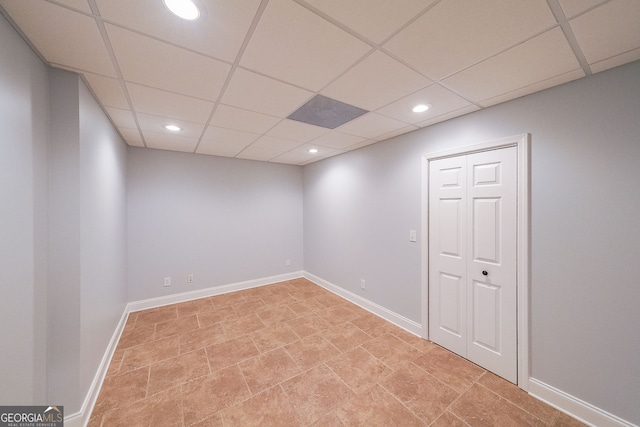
x=363 y=144
x=219 y=32
x=59 y=43
x=254 y=92
x=296 y=131
x=294 y=158
x=275 y=143
x=337 y=140
x=374 y=82
x=121 y=118
x=218 y=148
x=371 y=125
x=632 y=55
x=516 y=68
x=599 y=39
x=258 y=153
x=82 y=5
x=373 y=19
x=287 y=30
x=223 y=135
x=131 y=137
x=535 y=87
x=397 y=132
x=239 y=119
x=457 y=113
x=154 y=63
x=572 y=8
x=108 y=91
x=150 y=123
x=322 y=151
x=171 y=105
x=440 y=100
x=170 y=142
x=455 y=34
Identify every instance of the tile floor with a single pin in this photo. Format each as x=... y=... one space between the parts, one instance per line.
x=294 y=354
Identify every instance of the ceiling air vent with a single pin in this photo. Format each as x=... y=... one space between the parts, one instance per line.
x=326 y=112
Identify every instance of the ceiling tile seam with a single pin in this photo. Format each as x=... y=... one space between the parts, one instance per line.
x=234 y=66
x=558 y=13
x=164 y=89
x=94 y=7
x=116 y=66
x=69 y=7
x=483 y=101
x=161 y=40
x=410 y=21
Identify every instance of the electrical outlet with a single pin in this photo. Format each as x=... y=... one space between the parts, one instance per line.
x=287 y=262
x=167 y=281
x=362 y=284
x=190 y=278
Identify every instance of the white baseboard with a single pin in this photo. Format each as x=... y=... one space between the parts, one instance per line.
x=386 y=314
x=209 y=292
x=583 y=411
x=81 y=418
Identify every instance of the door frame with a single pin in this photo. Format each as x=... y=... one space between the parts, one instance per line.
x=523 y=213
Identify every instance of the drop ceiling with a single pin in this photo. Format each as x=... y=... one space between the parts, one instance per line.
x=230 y=79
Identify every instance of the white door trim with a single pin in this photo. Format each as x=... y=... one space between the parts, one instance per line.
x=522 y=142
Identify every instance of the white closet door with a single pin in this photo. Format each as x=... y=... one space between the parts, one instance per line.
x=481 y=314
x=448 y=253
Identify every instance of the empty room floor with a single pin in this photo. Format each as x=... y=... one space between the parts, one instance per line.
x=295 y=354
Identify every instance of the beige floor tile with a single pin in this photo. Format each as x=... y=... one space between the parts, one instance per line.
x=201 y=338
x=450 y=368
x=163 y=409
x=177 y=326
x=424 y=395
x=230 y=352
x=479 y=406
x=177 y=370
x=135 y=336
x=156 y=315
x=269 y=408
x=150 y=352
x=391 y=350
x=242 y=325
x=273 y=337
x=189 y=308
x=311 y=351
x=315 y=393
x=272 y=316
x=376 y=407
x=518 y=397
x=346 y=337
x=268 y=370
x=359 y=369
x=217 y=315
x=293 y=353
x=208 y=395
x=308 y=325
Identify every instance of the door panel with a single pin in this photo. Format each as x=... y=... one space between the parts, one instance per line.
x=472 y=257
x=447 y=253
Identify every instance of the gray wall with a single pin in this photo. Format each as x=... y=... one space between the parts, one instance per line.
x=87 y=234
x=585 y=286
x=222 y=220
x=24 y=94
x=62 y=231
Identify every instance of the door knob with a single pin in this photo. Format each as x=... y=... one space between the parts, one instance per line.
x=484 y=273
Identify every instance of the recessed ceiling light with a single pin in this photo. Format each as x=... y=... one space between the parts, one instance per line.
x=421 y=108
x=313 y=150
x=185 y=9
x=172 y=128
